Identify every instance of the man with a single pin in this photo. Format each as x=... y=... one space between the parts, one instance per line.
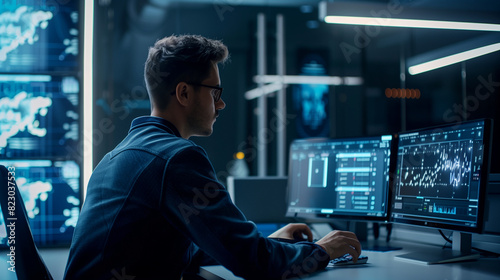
x=154 y=205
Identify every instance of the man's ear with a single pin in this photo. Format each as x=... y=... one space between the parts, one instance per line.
x=182 y=93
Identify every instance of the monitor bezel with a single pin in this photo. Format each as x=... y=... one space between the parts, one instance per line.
x=317 y=217
x=431 y=223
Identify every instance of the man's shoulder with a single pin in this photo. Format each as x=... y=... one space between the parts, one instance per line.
x=157 y=143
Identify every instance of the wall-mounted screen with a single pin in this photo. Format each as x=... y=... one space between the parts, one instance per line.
x=38 y=116
x=51 y=194
x=39 y=36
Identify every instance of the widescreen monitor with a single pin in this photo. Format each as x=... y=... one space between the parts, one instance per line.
x=441 y=176
x=340 y=178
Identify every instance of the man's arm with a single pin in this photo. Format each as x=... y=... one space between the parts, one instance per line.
x=200 y=207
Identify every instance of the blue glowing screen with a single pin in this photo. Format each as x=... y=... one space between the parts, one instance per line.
x=51 y=194
x=311 y=101
x=38 y=116
x=38 y=36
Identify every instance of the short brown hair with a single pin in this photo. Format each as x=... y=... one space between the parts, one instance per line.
x=179 y=58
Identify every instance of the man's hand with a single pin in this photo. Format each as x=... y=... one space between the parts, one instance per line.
x=338 y=243
x=293 y=231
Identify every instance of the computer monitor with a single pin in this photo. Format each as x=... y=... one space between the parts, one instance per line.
x=440 y=182
x=39 y=116
x=51 y=194
x=340 y=178
x=40 y=36
x=262 y=199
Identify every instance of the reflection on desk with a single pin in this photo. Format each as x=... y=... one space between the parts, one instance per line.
x=384 y=265
x=54 y=258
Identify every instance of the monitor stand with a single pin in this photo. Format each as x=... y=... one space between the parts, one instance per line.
x=461 y=251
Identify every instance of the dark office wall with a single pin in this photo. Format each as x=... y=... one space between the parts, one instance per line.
x=122 y=41
x=123 y=35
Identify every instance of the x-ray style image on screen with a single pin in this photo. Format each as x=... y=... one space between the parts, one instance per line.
x=318 y=169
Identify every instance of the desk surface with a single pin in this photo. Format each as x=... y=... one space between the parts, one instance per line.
x=384 y=265
x=55 y=259
x=381 y=265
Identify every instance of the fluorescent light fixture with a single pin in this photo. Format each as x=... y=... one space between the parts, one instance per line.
x=413 y=23
x=318 y=80
x=454 y=53
x=88 y=42
x=452 y=59
x=397 y=15
x=276 y=82
x=264 y=90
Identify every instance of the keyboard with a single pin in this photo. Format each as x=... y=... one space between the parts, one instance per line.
x=347 y=260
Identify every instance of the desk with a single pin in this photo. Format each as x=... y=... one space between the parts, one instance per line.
x=54 y=258
x=384 y=265
x=381 y=265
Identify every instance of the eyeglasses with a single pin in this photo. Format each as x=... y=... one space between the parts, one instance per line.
x=216 y=92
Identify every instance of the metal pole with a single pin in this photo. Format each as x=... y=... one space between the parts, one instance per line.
x=464 y=89
x=402 y=79
x=281 y=102
x=262 y=101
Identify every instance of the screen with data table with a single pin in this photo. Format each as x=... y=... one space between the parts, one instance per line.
x=339 y=178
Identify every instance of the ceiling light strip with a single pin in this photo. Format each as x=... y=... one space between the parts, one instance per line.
x=413 y=23
x=452 y=59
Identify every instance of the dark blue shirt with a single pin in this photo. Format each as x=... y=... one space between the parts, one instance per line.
x=154 y=202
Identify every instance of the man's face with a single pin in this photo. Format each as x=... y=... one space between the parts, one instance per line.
x=204 y=110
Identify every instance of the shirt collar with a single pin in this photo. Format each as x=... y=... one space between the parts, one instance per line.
x=156 y=121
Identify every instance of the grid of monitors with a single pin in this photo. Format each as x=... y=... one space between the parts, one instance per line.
x=441 y=176
x=340 y=178
x=40 y=112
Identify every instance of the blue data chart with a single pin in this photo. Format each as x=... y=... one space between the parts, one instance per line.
x=38 y=116
x=437 y=170
x=39 y=36
x=441 y=176
x=51 y=194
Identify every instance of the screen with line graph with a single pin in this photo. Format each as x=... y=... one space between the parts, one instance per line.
x=441 y=174
x=340 y=178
